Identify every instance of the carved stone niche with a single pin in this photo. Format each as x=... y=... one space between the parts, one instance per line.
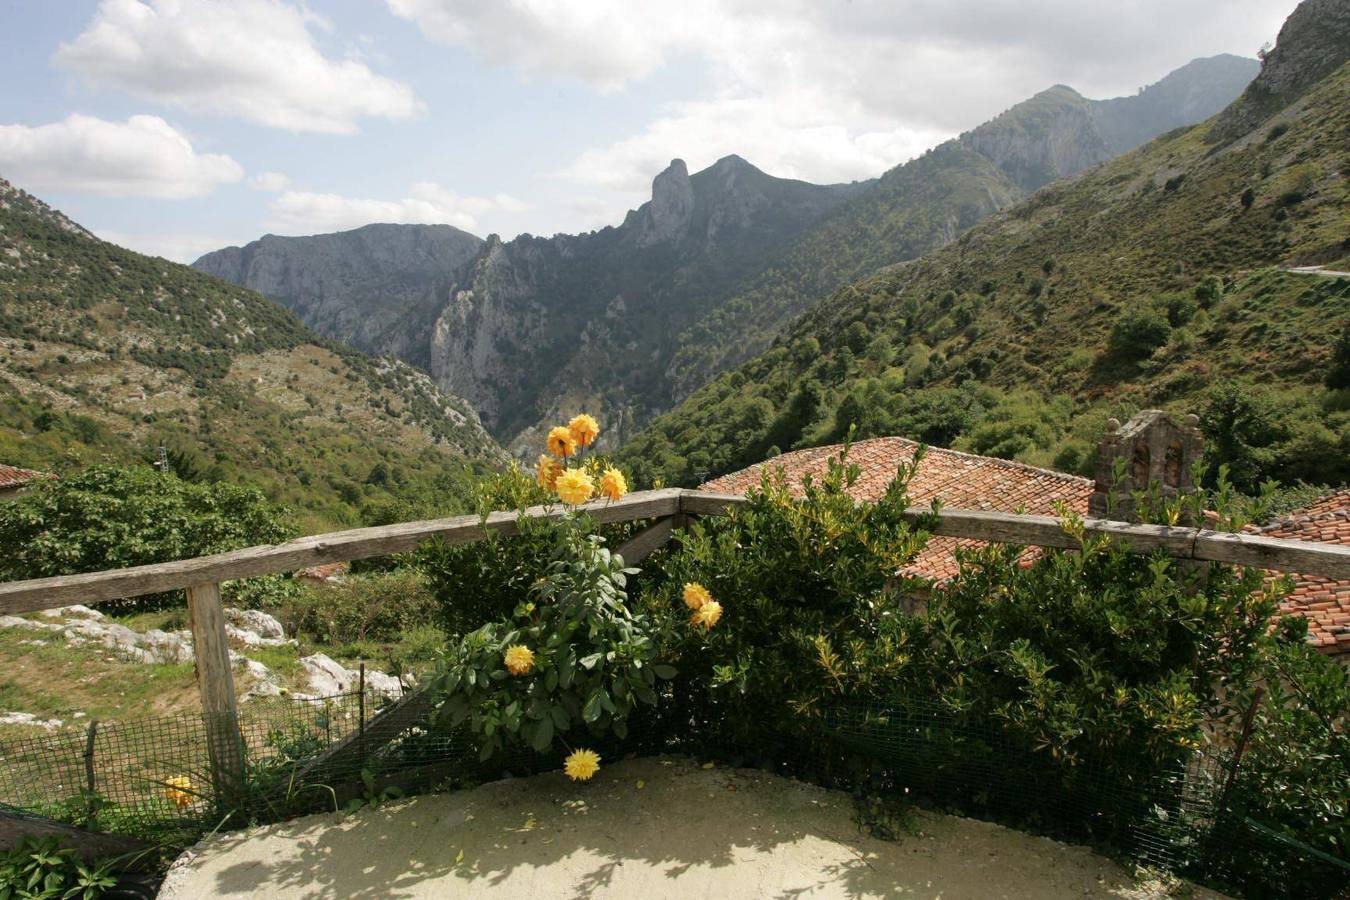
x=1156 y=450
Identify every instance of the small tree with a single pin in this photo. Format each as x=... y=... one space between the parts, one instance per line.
x=1140 y=331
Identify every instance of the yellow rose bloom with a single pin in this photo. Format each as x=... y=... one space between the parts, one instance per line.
x=519 y=659
x=560 y=442
x=612 y=484
x=695 y=595
x=547 y=471
x=179 y=791
x=574 y=487
x=707 y=614
x=581 y=765
x=584 y=429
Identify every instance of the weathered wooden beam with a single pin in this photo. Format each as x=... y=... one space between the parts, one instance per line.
x=647 y=541
x=88 y=845
x=215 y=681
x=1310 y=558
x=346 y=757
x=708 y=503
x=340 y=546
x=1305 y=557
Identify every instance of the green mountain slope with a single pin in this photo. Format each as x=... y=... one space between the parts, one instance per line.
x=106 y=354
x=1146 y=281
x=925 y=203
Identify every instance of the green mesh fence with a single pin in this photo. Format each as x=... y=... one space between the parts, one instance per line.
x=152 y=778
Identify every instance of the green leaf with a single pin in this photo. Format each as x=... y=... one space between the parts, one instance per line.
x=664 y=671
x=594 y=705
x=543 y=734
x=588 y=662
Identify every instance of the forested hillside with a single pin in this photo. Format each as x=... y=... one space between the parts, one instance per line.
x=1144 y=282
x=107 y=355
x=927 y=202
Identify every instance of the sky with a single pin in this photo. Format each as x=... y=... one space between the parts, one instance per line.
x=175 y=127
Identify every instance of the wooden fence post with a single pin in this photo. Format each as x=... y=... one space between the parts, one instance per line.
x=215 y=681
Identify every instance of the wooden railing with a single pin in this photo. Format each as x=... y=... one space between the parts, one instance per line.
x=201 y=576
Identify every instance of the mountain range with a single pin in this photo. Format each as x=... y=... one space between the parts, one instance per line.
x=1174 y=275
x=631 y=319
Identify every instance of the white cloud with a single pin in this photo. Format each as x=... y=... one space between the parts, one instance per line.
x=304 y=212
x=790 y=140
x=605 y=42
x=177 y=246
x=141 y=157
x=253 y=59
x=829 y=91
x=271 y=182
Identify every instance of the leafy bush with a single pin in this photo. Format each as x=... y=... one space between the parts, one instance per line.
x=109 y=517
x=1141 y=330
x=39 y=868
x=590 y=659
x=805 y=584
x=484 y=581
x=379 y=607
x=1338 y=373
x=1295 y=776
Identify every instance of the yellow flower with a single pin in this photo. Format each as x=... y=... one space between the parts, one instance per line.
x=612 y=484
x=179 y=791
x=707 y=614
x=695 y=595
x=547 y=471
x=584 y=429
x=560 y=442
x=574 y=487
x=519 y=659
x=581 y=765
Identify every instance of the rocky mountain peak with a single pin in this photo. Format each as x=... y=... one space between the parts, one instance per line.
x=1312 y=43
x=672 y=205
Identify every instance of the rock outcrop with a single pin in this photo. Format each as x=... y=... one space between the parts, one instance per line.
x=1312 y=43
x=352 y=286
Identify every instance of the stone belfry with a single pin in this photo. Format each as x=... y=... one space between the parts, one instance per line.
x=1156 y=449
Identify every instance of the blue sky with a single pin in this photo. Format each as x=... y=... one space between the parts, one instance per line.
x=179 y=126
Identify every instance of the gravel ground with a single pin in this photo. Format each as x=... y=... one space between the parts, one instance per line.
x=643 y=828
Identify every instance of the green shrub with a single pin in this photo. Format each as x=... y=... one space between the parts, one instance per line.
x=1338 y=372
x=1293 y=779
x=40 y=868
x=109 y=517
x=379 y=607
x=589 y=661
x=804 y=584
x=1138 y=332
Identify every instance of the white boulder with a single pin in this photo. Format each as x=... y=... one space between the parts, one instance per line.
x=256 y=621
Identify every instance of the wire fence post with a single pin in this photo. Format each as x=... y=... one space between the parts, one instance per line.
x=89 y=756
x=361 y=712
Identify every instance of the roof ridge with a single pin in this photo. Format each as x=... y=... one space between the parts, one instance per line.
x=997 y=461
x=1303 y=519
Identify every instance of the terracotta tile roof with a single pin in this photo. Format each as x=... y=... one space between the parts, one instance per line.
x=1323 y=602
x=959 y=480
x=1338 y=501
x=13 y=476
